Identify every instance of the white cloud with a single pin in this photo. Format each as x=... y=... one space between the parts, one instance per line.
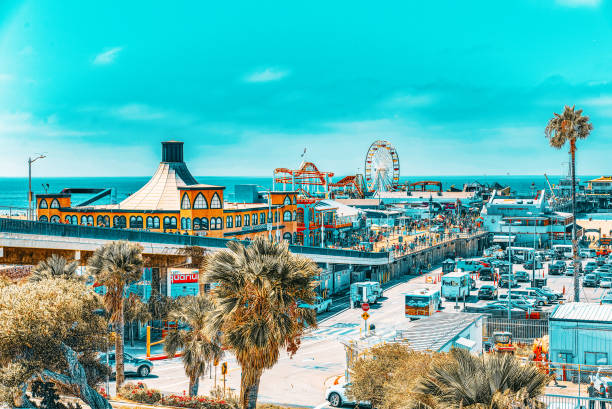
x=107 y=57
x=25 y=124
x=601 y=101
x=138 y=112
x=579 y=3
x=407 y=101
x=267 y=75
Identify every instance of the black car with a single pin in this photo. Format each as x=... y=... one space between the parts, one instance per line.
x=557 y=268
x=590 y=280
x=487 y=292
x=485 y=274
x=529 y=265
x=521 y=276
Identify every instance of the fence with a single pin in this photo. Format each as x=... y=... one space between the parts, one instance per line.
x=523 y=331
x=578 y=372
x=574 y=402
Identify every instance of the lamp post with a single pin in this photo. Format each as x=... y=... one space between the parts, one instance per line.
x=510 y=273
x=533 y=260
x=30 y=161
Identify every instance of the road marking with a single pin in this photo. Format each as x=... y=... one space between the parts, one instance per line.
x=321 y=405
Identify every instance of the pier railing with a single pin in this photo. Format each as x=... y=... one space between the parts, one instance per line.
x=143 y=236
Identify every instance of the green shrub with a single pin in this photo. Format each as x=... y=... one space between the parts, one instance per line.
x=140 y=393
x=195 y=402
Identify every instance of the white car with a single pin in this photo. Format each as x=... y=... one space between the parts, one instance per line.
x=606 y=282
x=336 y=396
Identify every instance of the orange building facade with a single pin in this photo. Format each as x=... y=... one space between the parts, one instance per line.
x=172 y=201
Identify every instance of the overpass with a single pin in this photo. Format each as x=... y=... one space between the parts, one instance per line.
x=28 y=242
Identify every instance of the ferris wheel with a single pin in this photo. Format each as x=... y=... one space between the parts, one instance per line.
x=381 y=167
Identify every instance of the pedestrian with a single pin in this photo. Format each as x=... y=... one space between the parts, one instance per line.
x=592 y=394
x=602 y=396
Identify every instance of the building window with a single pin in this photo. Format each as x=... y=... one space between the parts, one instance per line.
x=295 y=199
x=119 y=222
x=215 y=202
x=106 y=221
x=262 y=218
x=100 y=220
x=238 y=221
x=84 y=220
x=74 y=219
x=132 y=222
x=286 y=216
x=188 y=223
x=169 y=222
x=269 y=217
x=200 y=202
x=219 y=223
x=596 y=358
x=196 y=224
x=43 y=219
x=255 y=220
x=183 y=223
x=156 y=222
x=55 y=219
x=185 y=203
x=213 y=223
x=55 y=204
x=294 y=215
x=43 y=204
x=287 y=201
x=247 y=220
x=173 y=222
x=287 y=237
x=67 y=220
x=204 y=223
x=275 y=217
x=90 y=221
x=149 y=222
x=229 y=222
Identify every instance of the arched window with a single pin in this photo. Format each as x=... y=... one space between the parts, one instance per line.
x=55 y=204
x=74 y=220
x=90 y=220
x=100 y=220
x=254 y=219
x=183 y=223
x=156 y=222
x=43 y=219
x=68 y=220
x=204 y=223
x=200 y=202
x=119 y=222
x=84 y=220
x=294 y=215
x=173 y=222
x=149 y=222
x=43 y=204
x=185 y=203
x=106 y=221
x=262 y=218
x=287 y=201
x=269 y=217
x=166 y=222
x=215 y=202
x=287 y=237
x=132 y=222
x=286 y=216
x=197 y=224
x=247 y=220
x=187 y=223
x=295 y=199
x=238 y=221
x=275 y=217
x=219 y=223
x=229 y=222
x=213 y=223
x=55 y=219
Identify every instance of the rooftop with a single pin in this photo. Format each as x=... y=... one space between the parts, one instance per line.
x=582 y=311
x=601 y=179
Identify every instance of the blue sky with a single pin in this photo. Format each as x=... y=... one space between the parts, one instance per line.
x=457 y=87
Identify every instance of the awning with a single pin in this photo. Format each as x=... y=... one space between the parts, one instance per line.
x=503 y=239
x=465 y=343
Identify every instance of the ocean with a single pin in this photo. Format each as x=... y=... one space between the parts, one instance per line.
x=13 y=191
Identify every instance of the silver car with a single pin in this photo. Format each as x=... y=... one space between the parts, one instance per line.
x=133 y=365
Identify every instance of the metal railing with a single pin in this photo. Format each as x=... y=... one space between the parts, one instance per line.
x=574 y=402
x=523 y=331
x=104 y=233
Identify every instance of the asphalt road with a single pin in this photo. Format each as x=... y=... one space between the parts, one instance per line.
x=301 y=380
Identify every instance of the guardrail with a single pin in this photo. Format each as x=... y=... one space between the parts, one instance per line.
x=105 y=233
x=573 y=402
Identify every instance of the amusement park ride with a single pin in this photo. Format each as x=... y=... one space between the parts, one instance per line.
x=382 y=168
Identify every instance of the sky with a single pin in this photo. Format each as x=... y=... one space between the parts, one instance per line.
x=459 y=88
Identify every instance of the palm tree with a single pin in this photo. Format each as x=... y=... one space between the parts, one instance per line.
x=198 y=348
x=54 y=267
x=134 y=310
x=460 y=379
x=115 y=265
x=256 y=305
x=567 y=128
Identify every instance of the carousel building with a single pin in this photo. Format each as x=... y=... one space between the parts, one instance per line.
x=173 y=201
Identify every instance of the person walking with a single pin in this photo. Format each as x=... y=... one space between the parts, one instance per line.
x=602 y=396
x=592 y=394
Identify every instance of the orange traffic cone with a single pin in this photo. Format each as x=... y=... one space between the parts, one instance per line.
x=563 y=290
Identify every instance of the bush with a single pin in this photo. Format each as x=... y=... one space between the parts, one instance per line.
x=140 y=393
x=194 y=402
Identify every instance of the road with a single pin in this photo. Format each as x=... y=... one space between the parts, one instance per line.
x=302 y=379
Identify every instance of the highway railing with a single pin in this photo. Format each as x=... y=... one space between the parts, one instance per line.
x=104 y=233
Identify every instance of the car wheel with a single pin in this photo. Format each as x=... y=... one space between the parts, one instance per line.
x=334 y=399
x=541 y=303
x=144 y=371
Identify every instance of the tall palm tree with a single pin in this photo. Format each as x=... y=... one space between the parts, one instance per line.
x=54 y=267
x=115 y=265
x=256 y=305
x=135 y=311
x=568 y=127
x=461 y=379
x=198 y=348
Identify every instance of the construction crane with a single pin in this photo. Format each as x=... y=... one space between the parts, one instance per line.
x=550 y=187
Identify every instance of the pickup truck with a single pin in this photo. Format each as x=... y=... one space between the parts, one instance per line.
x=320 y=305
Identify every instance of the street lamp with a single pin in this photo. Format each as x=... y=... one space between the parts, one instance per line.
x=30 y=161
x=533 y=260
x=510 y=274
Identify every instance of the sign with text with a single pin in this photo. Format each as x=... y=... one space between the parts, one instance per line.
x=183 y=276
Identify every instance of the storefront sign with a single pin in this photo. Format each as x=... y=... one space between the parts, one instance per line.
x=180 y=277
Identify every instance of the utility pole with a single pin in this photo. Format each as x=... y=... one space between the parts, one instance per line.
x=30 y=161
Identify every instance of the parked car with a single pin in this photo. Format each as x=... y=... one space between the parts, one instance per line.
x=607 y=298
x=336 y=396
x=503 y=305
x=518 y=299
x=606 y=282
x=540 y=300
x=133 y=365
x=320 y=305
x=590 y=280
x=529 y=265
x=569 y=271
x=485 y=274
x=590 y=267
x=554 y=292
x=600 y=261
x=545 y=293
x=557 y=268
x=505 y=280
x=521 y=276
x=487 y=292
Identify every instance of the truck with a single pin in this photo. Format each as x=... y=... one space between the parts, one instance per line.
x=320 y=305
x=421 y=303
x=456 y=285
x=365 y=292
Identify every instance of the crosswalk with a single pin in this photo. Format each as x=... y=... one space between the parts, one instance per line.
x=343 y=330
